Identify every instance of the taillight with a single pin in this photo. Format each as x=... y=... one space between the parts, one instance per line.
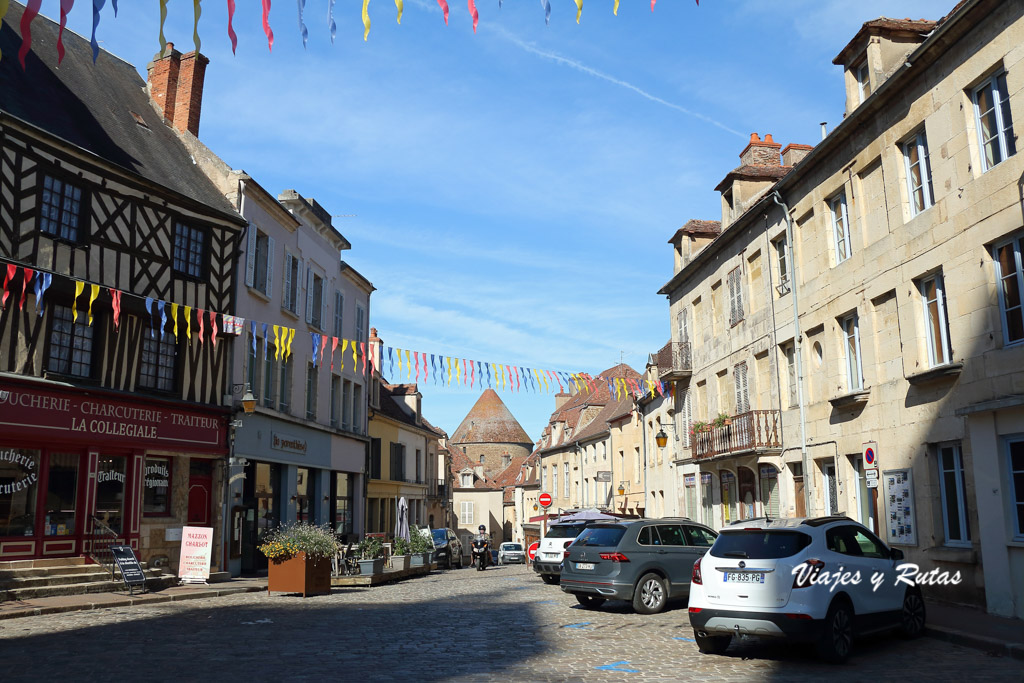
x=566 y=545
x=806 y=574
x=614 y=557
x=695 y=577
x=695 y=610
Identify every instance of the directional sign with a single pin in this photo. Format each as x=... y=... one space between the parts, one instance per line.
x=531 y=552
x=545 y=500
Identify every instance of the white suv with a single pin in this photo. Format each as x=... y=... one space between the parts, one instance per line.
x=814 y=580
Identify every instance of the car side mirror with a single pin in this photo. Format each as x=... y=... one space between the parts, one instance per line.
x=895 y=554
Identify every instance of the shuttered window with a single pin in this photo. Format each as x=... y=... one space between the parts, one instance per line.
x=770 y=491
x=339 y=310
x=466 y=513
x=740 y=378
x=735 y=296
x=259 y=261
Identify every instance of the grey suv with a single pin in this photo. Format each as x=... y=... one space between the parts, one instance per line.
x=647 y=561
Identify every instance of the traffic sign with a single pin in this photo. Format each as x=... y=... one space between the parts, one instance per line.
x=872 y=483
x=870 y=455
x=871 y=474
x=545 y=500
x=531 y=552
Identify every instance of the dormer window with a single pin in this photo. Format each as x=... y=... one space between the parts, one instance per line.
x=467 y=481
x=860 y=74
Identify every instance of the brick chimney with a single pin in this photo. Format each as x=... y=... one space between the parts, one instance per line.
x=189 y=99
x=162 y=80
x=761 y=152
x=793 y=153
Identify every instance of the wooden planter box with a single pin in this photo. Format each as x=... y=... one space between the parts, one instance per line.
x=371 y=567
x=400 y=562
x=299 y=575
x=420 y=559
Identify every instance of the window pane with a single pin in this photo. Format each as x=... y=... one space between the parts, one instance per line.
x=61 y=493
x=952 y=509
x=157 y=486
x=110 y=479
x=19 y=477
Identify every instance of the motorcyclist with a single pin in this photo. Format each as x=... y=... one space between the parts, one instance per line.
x=484 y=537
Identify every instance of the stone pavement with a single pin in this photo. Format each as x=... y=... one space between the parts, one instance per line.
x=501 y=624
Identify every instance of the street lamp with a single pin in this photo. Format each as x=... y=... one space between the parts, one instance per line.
x=661 y=438
x=622 y=488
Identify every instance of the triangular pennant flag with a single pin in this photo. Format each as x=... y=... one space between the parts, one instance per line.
x=323 y=347
x=277 y=342
x=579 y=10
x=400 y=366
x=399 y=5
x=426 y=370
x=202 y=325
x=266 y=25
x=188 y=328
x=475 y=14
x=213 y=329
x=334 y=347
x=487 y=366
x=362 y=350
x=344 y=348
x=416 y=355
x=444 y=9
x=366 y=19
x=313 y=336
x=31 y=10
x=355 y=360
x=231 y=29
x=266 y=339
x=291 y=338
x=472 y=373
x=162 y=307
x=458 y=370
x=26 y=275
x=11 y=270
x=65 y=7
x=97 y=5
x=79 y=288
x=252 y=331
x=94 y=291
x=449 y=359
x=174 y=320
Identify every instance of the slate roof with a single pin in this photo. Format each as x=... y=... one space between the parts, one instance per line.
x=753 y=172
x=92 y=106
x=490 y=421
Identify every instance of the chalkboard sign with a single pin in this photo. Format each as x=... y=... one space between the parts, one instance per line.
x=131 y=570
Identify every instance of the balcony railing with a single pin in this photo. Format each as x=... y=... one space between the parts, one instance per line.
x=756 y=430
x=674 y=361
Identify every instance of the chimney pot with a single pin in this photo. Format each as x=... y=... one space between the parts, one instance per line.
x=761 y=152
x=768 y=138
x=754 y=137
x=189 y=97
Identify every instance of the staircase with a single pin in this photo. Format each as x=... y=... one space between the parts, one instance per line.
x=27 y=579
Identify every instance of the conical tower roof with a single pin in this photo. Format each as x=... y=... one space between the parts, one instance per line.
x=490 y=421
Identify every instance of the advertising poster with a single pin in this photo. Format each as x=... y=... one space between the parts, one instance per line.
x=196 y=546
x=899 y=507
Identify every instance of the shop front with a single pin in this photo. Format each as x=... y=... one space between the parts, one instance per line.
x=285 y=472
x=75 y=465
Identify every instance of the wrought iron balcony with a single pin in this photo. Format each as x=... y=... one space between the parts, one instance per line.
x=757 y=430
x=674 y=361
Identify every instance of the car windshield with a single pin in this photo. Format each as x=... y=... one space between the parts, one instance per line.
x=440 y=535
x=564 y=531
x=759 y=544
x=512 y=546
x=601 y=535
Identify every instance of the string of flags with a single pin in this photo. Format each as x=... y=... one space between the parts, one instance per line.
x=32 y=8
x=443 y=370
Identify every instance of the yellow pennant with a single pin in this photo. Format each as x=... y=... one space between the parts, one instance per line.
x=398 y=4
x=579 y=10
x=544 y=376
x=188 y=323
x=174 y=316
x=408 y=364
x=277 y=342
x=366 y=19
x=615 y=10
x=344 y=348
x=400 y=366
x=502 y=376
x=458 y=372
x=79 y=288
x=449 y=362
x=94 y=292
x=291 y=338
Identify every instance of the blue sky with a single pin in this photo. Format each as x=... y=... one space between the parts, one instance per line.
x=512 y=191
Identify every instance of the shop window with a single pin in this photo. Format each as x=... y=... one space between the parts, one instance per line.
x=61 y=494
x=302 y=487
x=62 y=209
x=159 y=358
x=110 y=491
x=343 y=523
x=156 y=486
x=19 y=482
x=70 y=343
x=188 y=250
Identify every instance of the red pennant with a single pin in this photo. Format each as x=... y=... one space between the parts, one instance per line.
x=416 y=355
x=362 y=350
x=213 y=328
x=11 y=270
x=334 y=347
x=199 y=315
x=473 y=13
x=444 y=8
x=472 y=374
x=115 y=295
x=26 y=276
x=31 y=10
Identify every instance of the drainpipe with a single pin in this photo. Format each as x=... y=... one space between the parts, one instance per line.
x=797 y=343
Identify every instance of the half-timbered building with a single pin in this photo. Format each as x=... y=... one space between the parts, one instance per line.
x=117 y=258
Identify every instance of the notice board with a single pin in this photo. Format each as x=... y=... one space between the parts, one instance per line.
x=899 y=506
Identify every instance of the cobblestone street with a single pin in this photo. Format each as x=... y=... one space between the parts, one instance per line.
x=456 y=625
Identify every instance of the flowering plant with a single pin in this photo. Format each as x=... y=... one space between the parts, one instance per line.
x=698 y=427
x=285 y=542
x=402 y=546
x=722 y=420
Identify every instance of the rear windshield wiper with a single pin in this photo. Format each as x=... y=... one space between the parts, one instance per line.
x=734 y=553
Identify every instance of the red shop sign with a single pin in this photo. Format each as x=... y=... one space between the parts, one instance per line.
x=54 y=414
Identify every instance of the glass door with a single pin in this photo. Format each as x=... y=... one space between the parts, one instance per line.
x=61 y=518
x=110 y=491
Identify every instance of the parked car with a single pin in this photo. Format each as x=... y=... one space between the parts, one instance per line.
x=548 y=560
x=511 y=553
x=646 y=561
x=447 y=548
x=746 y=584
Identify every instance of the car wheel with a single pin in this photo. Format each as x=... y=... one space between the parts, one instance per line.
x=550 y=579
x=650 y=595
x=912 y=617
x=712 y=645
x=836 y=640
x=589 y=601
x=448 y=561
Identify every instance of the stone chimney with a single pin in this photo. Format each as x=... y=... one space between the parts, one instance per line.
x=560 y=399
x=760 y=152
x=162 y=80
x=175 y=83
x=793 y=153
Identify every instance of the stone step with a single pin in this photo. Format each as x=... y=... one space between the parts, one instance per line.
x=157 y=583
x=48 y=562
x=62 y=570
x=219 y=577
x=93 y=576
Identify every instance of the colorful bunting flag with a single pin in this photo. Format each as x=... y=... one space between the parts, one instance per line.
x=408 y=362
x=97 y=5
x=315 y=338
x=398 y=4
x=161 y=306
x=546 y=4
x=323 y=347
x=231 y=29
x=579 y=10
x=26 y=275
x=344 y=348
x=444 y=8
x=291 y=338
x=366 y=19
x=476 y=15
x=330 y=20
x=65 y=7
x=188 y=329
x=31 y=10
x=434 y=368
x=303 y=31
x=416 y=355
x=252 y=331
x=174 y=320
x=213 y=330
x=449 y=359
x=197 y=10
x=334 y=347
x=400 y=366
x=277 y=339
x=11 y=270
x=362 y=350
x=615 y=8
x=43 y=281
x=266 y=25
x=79 y=288
x=163 y=18
x=94 y=291
x=266 y=338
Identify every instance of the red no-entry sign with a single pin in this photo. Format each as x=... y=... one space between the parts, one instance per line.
x=545 y=500
x=531 y=552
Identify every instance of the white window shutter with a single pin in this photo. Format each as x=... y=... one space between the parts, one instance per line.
x=309 y=295
x=323 y=305
x=286 y=293
x=270 y=265
x=250 y=256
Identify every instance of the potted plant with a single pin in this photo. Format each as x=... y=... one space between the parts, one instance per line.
x=421 y=548
x=400 y=557
x=722 y=420
x=300 y=558
x=698 y=427
x=371 y=554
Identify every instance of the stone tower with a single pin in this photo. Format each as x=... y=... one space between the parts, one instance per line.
x=491 y=436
